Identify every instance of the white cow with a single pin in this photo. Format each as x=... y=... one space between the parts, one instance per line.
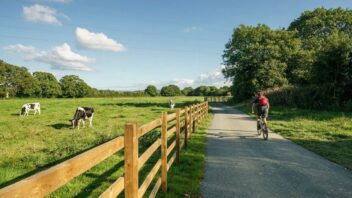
x=30 y=107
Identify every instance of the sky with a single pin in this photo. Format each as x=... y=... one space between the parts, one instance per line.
x=127 y=45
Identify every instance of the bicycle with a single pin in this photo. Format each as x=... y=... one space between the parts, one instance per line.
x=263 y=128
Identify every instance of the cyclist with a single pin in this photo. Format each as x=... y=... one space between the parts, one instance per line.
x=262 y=105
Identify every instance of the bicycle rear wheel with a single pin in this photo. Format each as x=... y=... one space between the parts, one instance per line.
x=265 y=132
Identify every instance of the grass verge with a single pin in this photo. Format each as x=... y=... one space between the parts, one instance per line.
x=184 y=179
x=326 y=133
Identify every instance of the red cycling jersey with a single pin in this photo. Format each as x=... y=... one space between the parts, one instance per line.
x=263 y=101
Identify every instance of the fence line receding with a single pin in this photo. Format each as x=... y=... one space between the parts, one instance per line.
x=180 y=124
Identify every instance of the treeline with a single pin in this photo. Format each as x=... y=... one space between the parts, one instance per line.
x=174 y=90
x=309 y=64
x=19 y=82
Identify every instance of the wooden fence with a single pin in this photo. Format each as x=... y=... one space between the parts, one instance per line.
x=218 y=98
x=182 y=123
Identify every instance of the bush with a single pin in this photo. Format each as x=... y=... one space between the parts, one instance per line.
x=309 y=97
x=151 y=90
x=170 y=90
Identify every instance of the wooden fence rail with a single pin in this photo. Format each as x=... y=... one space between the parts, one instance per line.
x=218 y=98
x=182 y=123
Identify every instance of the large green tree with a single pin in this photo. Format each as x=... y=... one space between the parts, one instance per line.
x=313 y=27
x=170 y=90
x=17 y=81
x=151 y=90
x=50 y=87
x=74 y=87
x=332 y=72
x=187 y=91
x=258 y=58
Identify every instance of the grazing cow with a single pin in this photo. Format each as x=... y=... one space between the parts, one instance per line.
x=172 y=103
x=81 y=114
x=30 y=107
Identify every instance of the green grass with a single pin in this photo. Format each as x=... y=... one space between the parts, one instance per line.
x=184 y=178
x=326 y=133
x=33 y=143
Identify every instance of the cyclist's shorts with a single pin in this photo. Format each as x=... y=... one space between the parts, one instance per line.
x=263 y=110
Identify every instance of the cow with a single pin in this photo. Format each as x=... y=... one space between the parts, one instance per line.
x=172 y=103
x=81 y=114
x=30 y=107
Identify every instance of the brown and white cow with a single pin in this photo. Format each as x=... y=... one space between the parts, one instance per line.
x=30 y=107
x=81 y=114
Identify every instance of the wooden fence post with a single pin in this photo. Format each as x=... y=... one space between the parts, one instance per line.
x=178 y=135
x=192 y=121
x=131 y=160
x=207 y=108
x=197 y=117
x=164 y=151
x=204 y=109
x=186 y=125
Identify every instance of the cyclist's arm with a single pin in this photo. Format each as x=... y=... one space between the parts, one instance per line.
x=268 y=106
x=253 y=107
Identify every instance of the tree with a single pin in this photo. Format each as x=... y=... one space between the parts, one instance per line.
x=332 y=72
x=151 y=90
x=50 y=87
x=201 y=91
x=313 y=27
x=187 y=91
x=258 y=58
x=170 y=90
x=224 y=91
x=74 y=87
x=17 y=81
x=212 y=91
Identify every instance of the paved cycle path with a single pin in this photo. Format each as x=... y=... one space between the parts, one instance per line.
x=241 y=164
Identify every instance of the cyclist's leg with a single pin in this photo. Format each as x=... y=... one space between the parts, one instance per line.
x=265 y=113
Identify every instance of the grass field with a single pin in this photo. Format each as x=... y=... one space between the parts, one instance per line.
x=326 y=133
x=30 y=144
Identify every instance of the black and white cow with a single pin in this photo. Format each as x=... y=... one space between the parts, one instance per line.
x=172 y=103
x=30 y=107
x=81 y=114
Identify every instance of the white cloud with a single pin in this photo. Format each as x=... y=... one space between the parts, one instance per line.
x=59 y=1
x=191 y=29
x=54 y=1
x=97 y=41
x=19 y=48
x=181 y=82
x=40 y=13
x=59 y=57
x=212 y=78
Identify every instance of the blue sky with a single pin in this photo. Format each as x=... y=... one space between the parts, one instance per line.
x=126 y=45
